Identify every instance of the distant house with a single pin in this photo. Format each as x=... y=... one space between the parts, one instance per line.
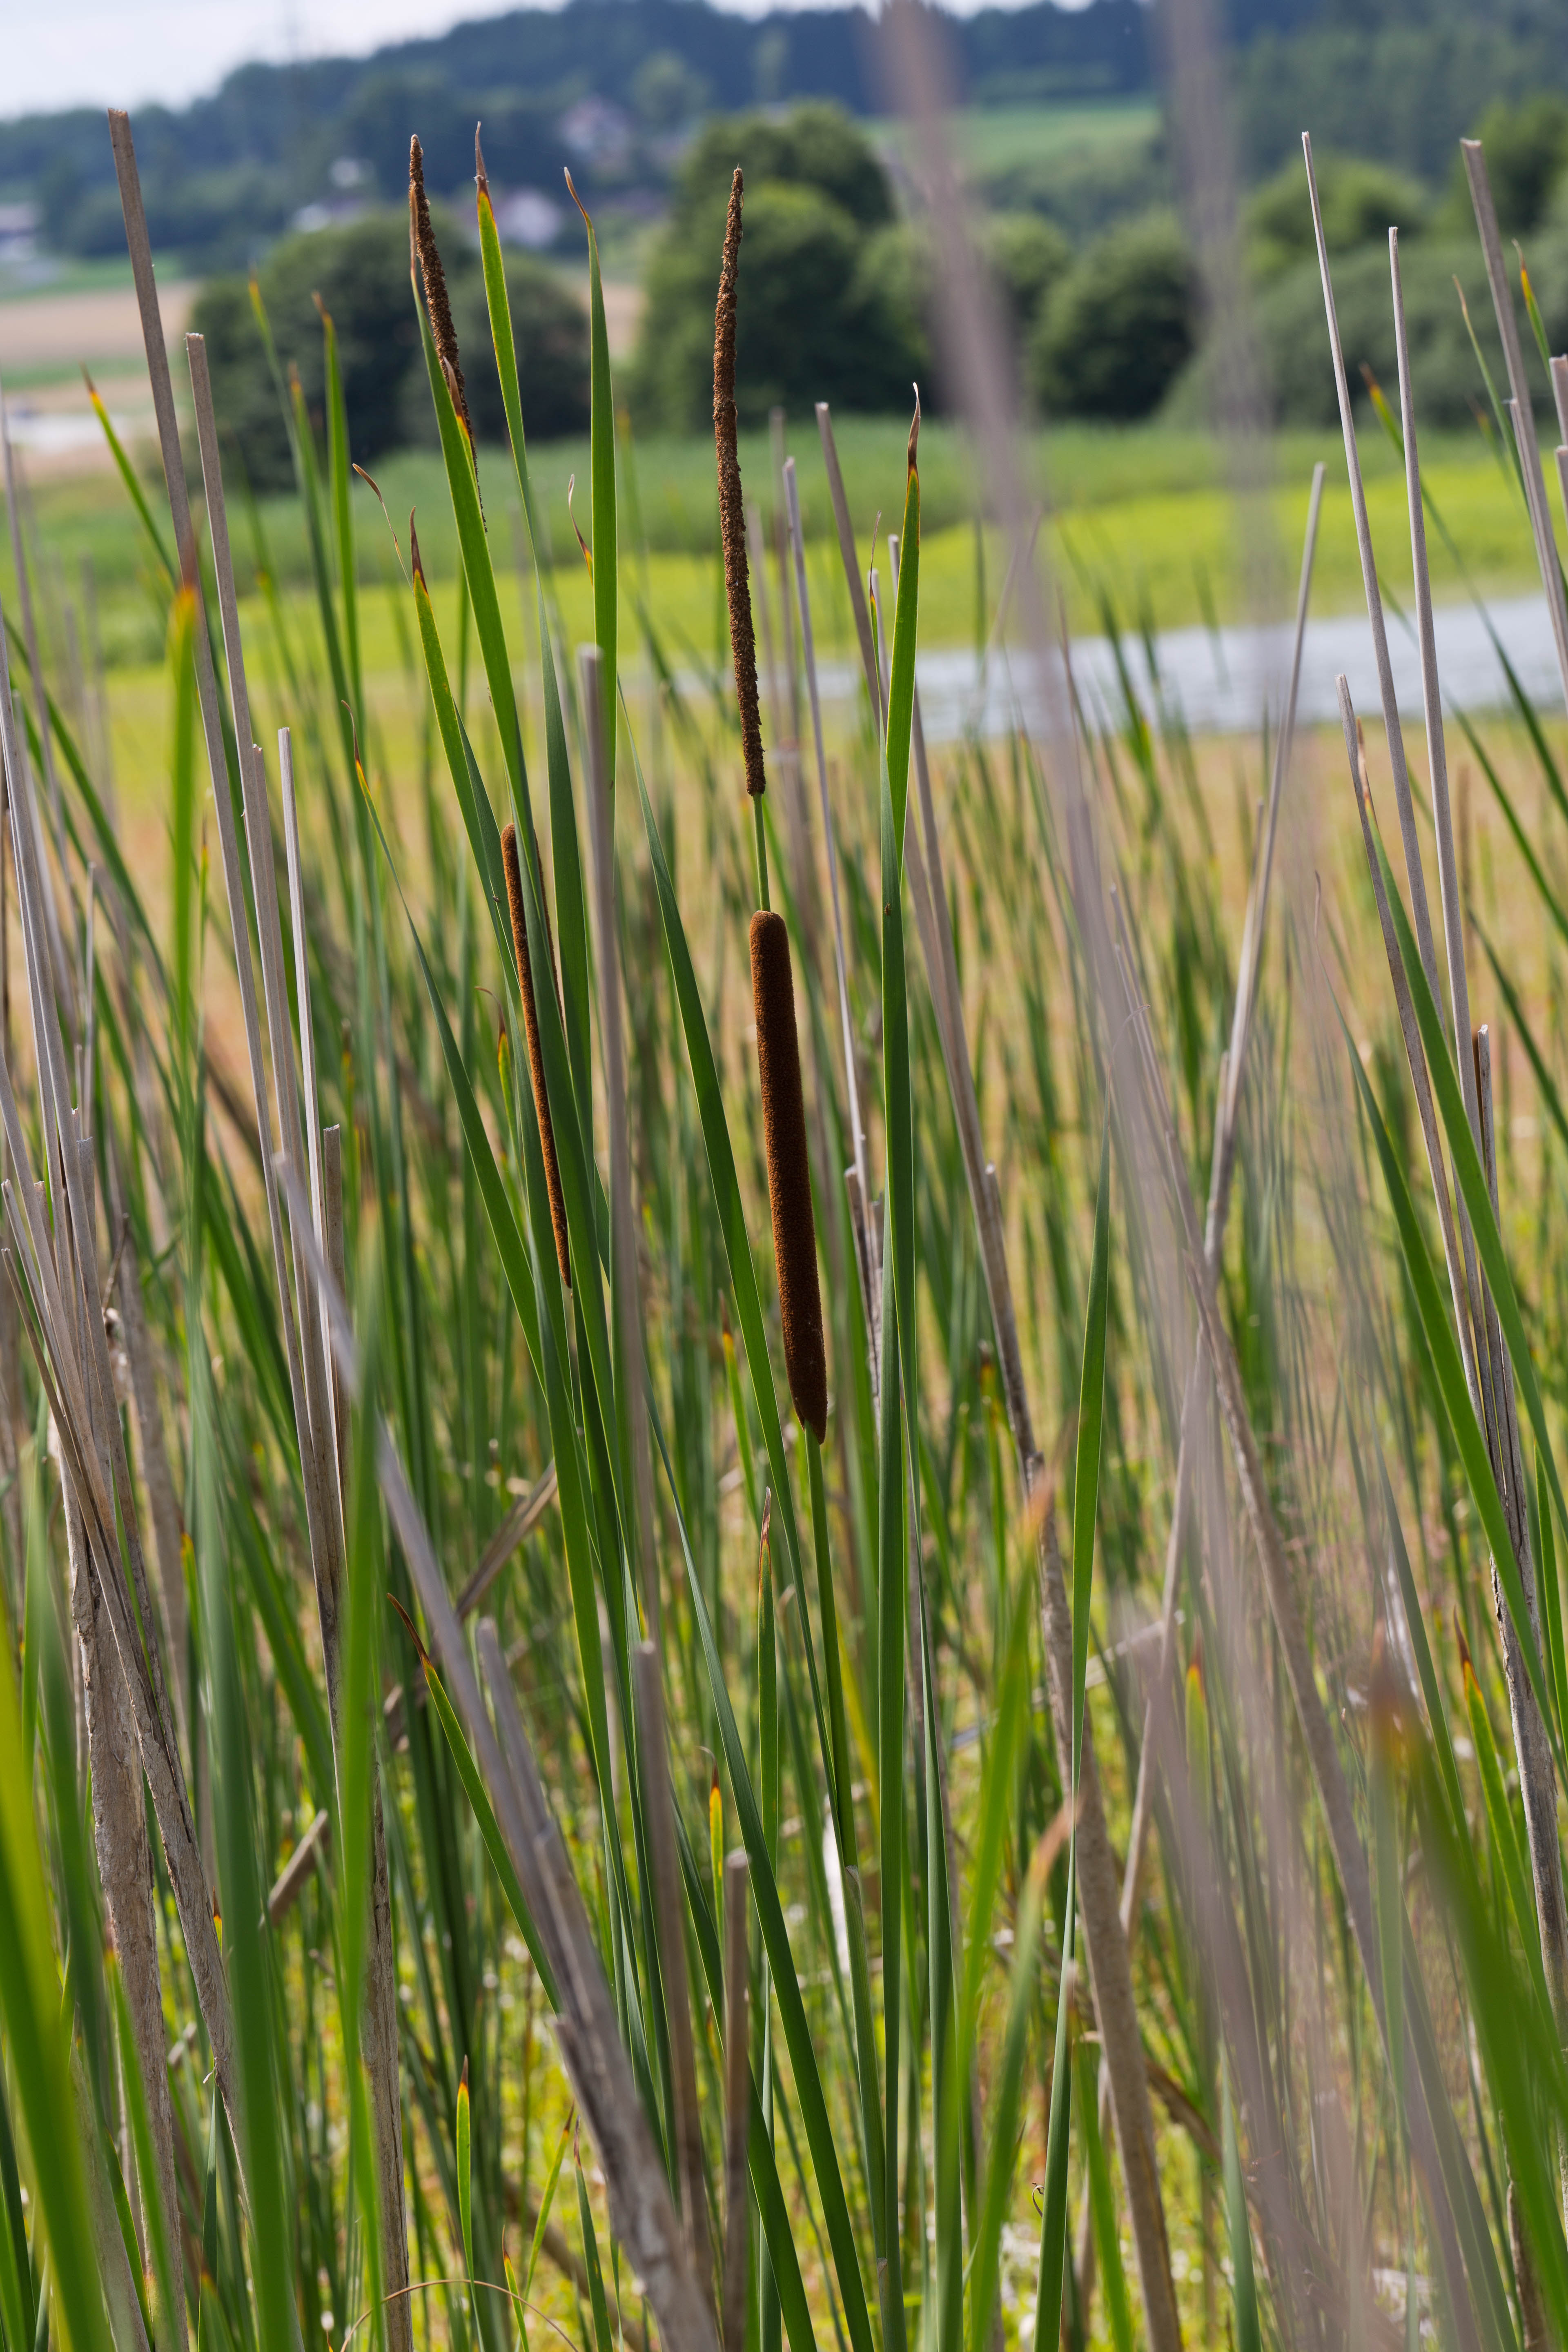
x=597 y=131
x=351 y=182
x=18 y=232
x=528 y=217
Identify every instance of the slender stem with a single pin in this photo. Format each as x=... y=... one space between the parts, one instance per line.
x=761 y=842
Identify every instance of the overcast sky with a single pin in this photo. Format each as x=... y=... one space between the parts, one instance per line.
x=125 y=52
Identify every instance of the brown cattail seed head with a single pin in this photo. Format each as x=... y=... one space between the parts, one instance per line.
x=422 y=243
x=535 y=1057
x=732 y=507
x=789 y=1171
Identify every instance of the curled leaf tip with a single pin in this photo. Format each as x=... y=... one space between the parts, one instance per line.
x=914 y=430
x=481 y=176
x=412 y=1630
x=572 y=191
x=414 y=548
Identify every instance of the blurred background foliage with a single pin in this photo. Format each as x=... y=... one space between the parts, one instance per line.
x=297 y=173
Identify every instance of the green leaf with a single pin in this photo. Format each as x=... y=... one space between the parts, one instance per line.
x=1243 y=2285
x=571 y=906
x=1472 y=1183
x=488 y=1827
x=1436 y=1713
x=603 y=465
x=1102 y=2203
x=602 y=2337
x=1433 y=1315
x=1090 y=1425
x=36 y=2033
x=1054 y=2206
x=463 y=485
x=1007 y=2098
x=465 y=2180
x=493 y=1191
x=798 y=2032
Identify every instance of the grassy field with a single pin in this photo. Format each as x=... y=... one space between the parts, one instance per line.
x=990 y=139
x=1142 y=514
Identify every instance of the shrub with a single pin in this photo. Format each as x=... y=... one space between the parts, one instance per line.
x=361 y=273
x=551 y=328
x=1447 y=380
x=1085 y=186
x=816 y=319
x=1527 y=148
x=1361 y=202
x=1121 y=325
x=1029 y=258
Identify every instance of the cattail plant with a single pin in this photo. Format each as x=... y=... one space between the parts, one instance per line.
x=773 y=980
x=397 y=1440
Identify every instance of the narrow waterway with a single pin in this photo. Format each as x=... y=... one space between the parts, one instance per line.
x=1219 y=681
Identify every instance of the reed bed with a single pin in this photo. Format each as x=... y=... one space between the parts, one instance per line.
x=518 y=1821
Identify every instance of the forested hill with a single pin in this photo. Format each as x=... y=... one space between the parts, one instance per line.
x=660 y=62
x=614 y=87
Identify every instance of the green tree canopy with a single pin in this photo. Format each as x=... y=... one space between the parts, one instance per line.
x=361 y=273
x=1361 y=200
x=816 y=322
x=1121 y=325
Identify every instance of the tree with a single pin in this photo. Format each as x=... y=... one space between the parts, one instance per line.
x=550 y=327
x=1026 y=256
x=361 y=273
x=1121 y=325
x=818 y=319
x=1361 y=202
x=1527 y=148
x=1029 y=258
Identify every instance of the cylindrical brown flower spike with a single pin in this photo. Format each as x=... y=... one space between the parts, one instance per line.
x=422 y=243
x=731 y=509
x=789 y=1171
x=535 y=1057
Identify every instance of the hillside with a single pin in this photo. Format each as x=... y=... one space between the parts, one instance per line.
x=610 y=88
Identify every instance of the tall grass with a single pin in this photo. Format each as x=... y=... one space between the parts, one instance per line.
x=515 y=1821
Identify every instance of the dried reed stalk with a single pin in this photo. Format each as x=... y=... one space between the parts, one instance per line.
x=654 y=1761
x=1316 y=1733
x=59 y=1297
x=1222 y=1169
x=1487 y=1374
x=125 y=1864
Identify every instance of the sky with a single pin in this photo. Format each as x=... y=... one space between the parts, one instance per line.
x=127 y=52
